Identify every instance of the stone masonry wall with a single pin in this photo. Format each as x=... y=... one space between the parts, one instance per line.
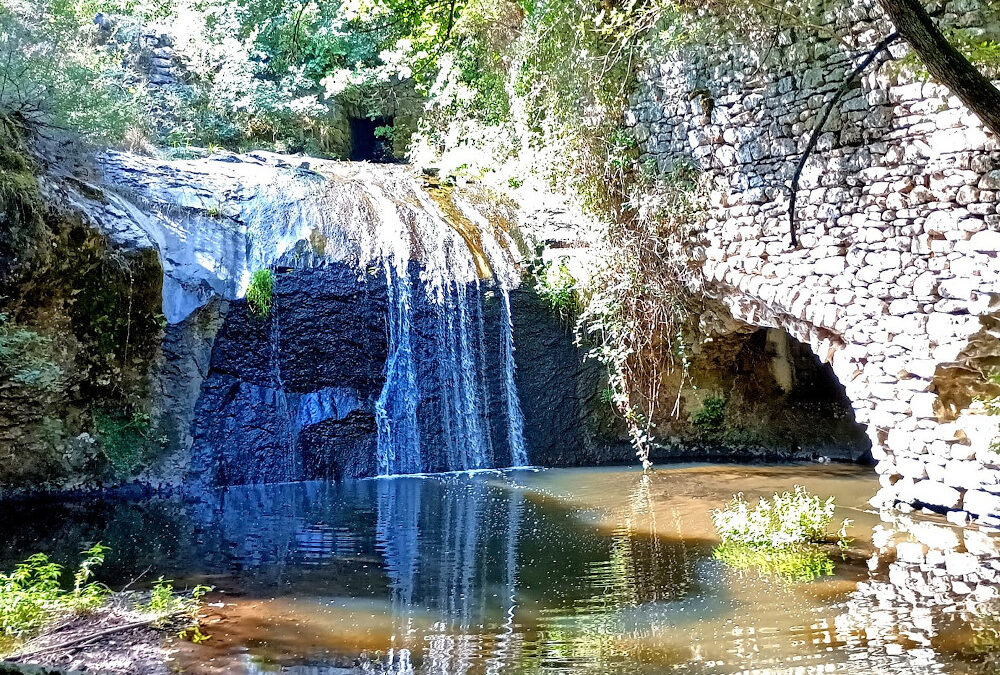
x=896 y=281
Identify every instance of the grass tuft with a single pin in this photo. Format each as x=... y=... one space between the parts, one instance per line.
x=260 y=293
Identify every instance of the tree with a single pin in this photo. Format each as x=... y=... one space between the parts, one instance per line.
x=948 y=65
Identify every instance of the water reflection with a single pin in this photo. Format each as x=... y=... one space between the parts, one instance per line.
x=572 y=571
x=457 y=556
x=931 y=600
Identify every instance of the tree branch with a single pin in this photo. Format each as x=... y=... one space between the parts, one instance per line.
x=818 y=129
x=69 y=644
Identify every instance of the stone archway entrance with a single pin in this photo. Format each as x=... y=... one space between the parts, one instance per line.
x=907 y=379
x=757 y=393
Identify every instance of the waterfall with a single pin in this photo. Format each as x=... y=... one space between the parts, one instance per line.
x=515 y=419
x=396 y=408
x=446 y=399
x=474 y=441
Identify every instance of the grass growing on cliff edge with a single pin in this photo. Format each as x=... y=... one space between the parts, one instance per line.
x=780 y=537
x=260 y=293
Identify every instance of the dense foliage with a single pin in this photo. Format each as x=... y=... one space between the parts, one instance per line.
x=54 y=74
x=517 y=93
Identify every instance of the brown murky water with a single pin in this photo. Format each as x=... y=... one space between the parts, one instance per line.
x=556 y=571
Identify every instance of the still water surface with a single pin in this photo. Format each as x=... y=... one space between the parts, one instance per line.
x=556 y=571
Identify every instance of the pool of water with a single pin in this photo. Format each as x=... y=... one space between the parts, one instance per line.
x=555 y=571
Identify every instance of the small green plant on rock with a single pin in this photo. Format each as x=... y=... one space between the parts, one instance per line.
x=558 y=287
x=260 y=293
x=124 y=439
x=712 y=415
x=781 y=536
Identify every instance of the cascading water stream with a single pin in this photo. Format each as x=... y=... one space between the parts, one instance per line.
x=286 y=419
x=515 y=418
x=396 y=408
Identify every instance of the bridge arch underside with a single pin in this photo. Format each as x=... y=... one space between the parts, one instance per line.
x=930 y=443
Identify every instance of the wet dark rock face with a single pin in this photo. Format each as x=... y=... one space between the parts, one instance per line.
x=565 y=421
x=293 y=396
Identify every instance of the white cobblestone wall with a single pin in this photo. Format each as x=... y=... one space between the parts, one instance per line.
x=899 y=224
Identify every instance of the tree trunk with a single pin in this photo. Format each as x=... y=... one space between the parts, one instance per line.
x=945 y=63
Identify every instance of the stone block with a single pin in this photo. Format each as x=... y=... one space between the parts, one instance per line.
x=981 y=503
x=936 y=494
x=960 y=564
x=986 y=241
x=910 y=552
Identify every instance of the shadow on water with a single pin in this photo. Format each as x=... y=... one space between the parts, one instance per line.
x=560 y=571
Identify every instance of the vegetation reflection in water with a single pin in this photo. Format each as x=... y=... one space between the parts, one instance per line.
x=560 y=571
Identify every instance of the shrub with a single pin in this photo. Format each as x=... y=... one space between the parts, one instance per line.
x=31 y=596
x=779 y=537
x=712 y=414
x=789 y=518
x=556 y=285
x=260 y=293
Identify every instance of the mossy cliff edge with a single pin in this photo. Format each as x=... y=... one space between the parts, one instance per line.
x=79 y=327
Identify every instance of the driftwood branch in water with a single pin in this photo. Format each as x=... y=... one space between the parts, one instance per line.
x=946 y=64
x=818 y=130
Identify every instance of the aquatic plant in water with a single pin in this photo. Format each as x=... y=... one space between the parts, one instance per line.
x=795 y=563
x=778 y=536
